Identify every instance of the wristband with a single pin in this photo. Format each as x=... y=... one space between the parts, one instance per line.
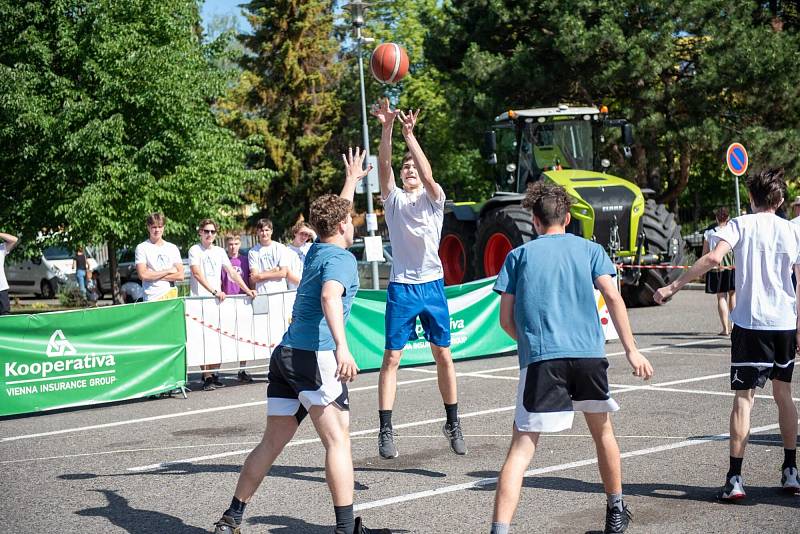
x=214 y=292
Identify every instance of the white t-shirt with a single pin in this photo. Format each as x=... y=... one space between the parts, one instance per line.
x=210 y=260
x=415 y=229
x=263 y=259
x=3 y=281
x=157 y=258
x=766 y=248
x=297 y=257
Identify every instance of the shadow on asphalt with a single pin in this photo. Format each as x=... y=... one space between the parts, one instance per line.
x=122 y=515
x=283 y=471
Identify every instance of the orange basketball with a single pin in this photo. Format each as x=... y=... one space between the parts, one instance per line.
x=389 y=63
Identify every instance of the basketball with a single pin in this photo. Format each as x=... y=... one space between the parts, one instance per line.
x=389 y=63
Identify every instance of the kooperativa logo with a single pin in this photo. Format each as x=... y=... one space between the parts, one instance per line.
x=59 y=346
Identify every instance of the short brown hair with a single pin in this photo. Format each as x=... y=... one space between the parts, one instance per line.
x=264 y=223
x=300 y=225
x=548 y=201
x=327 y=212
x=768 y=188
x=407 y=156
x=230 y=236
x=722 y=214
x=156 y=218
x=204 y=222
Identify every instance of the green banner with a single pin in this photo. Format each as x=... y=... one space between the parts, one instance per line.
x=74 y=358
x=474 y=326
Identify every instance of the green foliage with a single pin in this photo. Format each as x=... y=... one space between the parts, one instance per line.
x=105 y=117
x=692 y=76
x=285 y=103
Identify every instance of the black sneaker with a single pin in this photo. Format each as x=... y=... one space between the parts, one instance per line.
x=208 y=384
x=617 y=520
x=227 y=525
x=216 y=381
x=361 y=529
x=733 y=490
x=244 y=376
x=386 y=447
x=453 y=433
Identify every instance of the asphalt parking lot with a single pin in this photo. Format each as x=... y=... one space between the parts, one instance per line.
x=170 y=465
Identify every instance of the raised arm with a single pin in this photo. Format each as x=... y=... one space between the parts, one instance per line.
x=10 y=241
x=385 y=173
x=354 y=171
x=420 y=160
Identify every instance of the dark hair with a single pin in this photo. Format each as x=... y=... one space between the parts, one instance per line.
x=407 y=156
x=548 y=201
x=204 y=222
x=722 y=214
x=264 y=223
x=299 y=226
x=768 y=188
x=327 y=212
x=156 y=218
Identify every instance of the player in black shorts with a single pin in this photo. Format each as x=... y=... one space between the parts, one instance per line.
x=765 y=320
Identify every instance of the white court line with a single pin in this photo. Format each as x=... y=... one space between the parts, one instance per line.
x=159 y=465
x=697 y=391
x=543 y=470
x=257 y=403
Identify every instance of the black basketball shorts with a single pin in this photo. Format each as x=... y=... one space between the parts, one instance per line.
x=760 y=354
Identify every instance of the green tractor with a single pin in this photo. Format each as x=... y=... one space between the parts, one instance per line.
x=562 y=145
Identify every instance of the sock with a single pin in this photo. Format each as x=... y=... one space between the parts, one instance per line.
x=499 y=528
x=452 y=412
x=345 y=522
x=615 y=501
x=385 y=417
x=236 y=510
x=789 y=458
x=736 y=467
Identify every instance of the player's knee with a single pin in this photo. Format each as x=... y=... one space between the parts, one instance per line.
x=391 y=359
x=441 y=355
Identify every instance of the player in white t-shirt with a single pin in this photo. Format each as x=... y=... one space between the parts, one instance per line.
x=158 y=262
x=206 y=261
x=304 y=236
x=269 y=261
x=414 y=216
x=7 y=245
x=765 y=321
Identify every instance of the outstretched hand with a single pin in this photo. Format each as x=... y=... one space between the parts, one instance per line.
x=408 y=121
x=354 y=164
x=383 y=111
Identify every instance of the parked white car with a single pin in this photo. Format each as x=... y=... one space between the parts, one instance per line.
x=43 y=274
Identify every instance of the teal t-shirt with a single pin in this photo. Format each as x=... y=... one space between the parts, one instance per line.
x=309 y=329
x=552 y=279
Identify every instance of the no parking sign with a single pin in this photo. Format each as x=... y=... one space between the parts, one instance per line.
x=737 y=160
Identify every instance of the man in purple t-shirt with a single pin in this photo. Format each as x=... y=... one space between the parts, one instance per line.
x=229 y=287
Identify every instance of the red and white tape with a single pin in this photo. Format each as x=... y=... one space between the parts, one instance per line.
x=228 y=334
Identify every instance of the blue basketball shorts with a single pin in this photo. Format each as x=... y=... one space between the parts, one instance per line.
x=406 y=302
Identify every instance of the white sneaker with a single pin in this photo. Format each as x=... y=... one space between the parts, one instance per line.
x=733 y=490
x=790 y=480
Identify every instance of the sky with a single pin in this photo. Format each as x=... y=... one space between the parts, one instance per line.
x=222 y=7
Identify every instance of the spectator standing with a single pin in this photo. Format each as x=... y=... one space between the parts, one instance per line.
x=6 y=246
x=233 y=243
x=269 y=261
x=92 y=295
x=304 y=236
x=79 y=266
x=158 y=262
x=207 y=261
x=721 y=281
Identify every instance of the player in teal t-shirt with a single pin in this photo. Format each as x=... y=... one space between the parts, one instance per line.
x=309 y=370
x=547 y=304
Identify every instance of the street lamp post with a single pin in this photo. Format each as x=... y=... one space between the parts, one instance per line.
x=357 y=9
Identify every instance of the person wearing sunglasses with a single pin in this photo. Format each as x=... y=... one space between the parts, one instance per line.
x=207 y=261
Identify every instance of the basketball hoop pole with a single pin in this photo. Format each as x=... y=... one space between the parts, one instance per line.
x=357 y=9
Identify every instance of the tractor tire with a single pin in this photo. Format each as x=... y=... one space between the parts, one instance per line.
x=499 y=232
x=662 y=236
x=456 y=250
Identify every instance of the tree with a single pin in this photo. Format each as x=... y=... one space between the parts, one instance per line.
x=285 y=102
x=105 y=116
x=690 y=75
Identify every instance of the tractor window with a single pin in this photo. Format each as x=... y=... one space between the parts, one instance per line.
x=506 y=155
x=560 y=144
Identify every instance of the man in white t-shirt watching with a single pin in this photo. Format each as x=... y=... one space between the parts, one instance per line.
x=414 y=216
x=304 y=236
x=269 y=261
x=765 y=321
x=7 y=244
x=206 y=261
x=158 y=262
